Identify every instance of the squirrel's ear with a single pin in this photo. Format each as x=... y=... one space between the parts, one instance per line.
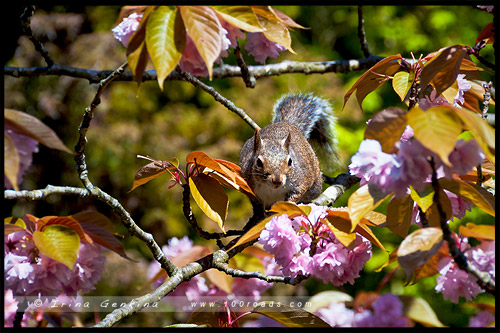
x=286 y=143
x=257 y=143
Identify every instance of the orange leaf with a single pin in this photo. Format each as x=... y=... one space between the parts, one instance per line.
x=210 y=197
x=11 y=160
x=387 y=126
x=486 y=232
x=399 y=215
x=430 y=268
x=364 y=200
x=253 y=233
x=205 y=30
x=289 y=208
x=418 y=247
x=202 y=159
x=486 y=33
x=34 y=128
x=370 y=81
x=70 y=223
x=442 y=70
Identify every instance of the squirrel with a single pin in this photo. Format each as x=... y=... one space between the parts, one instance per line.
x=279 y=163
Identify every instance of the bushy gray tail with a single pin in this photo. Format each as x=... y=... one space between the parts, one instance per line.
x=313 y=116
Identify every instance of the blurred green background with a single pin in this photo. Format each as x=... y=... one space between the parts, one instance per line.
x=182 y=118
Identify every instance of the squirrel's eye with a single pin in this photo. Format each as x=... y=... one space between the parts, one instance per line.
x=289 y=161
x=259 y=163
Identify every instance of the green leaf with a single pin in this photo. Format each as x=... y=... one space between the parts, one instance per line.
x=437 y=128
x=165 y=40
x=11 y=160
x=241 y=17
x=137 y=60
x=210 y=197
x=35 y=128
x=401 y=83
x=289 y=316
x=59 y=243
x=247 y=262
x=423 y=199
x=204 y=28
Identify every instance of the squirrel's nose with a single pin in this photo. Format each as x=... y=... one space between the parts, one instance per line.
x=277 y=180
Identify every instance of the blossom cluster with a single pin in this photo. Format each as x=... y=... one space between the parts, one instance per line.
x=409 y=166
x=199 y=286
x=394 y=173
x=454 y=282
x=306 y=246
x=191 y=61
x=29 y=273
x=385 y=311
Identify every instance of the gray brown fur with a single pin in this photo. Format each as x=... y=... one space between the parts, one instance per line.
x=297 y=117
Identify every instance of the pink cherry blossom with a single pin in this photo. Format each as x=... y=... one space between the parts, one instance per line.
x=336 y=315
x=127 y=27
x=454 y=282
x=387 y=311
x=465 y=156
x=290 y=242
x=260 y=47
x=463 y=86
x=482 y=319
x=281 y=239
x=10 y=308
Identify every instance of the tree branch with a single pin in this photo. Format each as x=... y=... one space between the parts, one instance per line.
x=219 y=98
x=225 y=71
x=338 y=186
x=111 y=202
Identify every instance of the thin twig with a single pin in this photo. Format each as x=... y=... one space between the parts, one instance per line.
x=26 y=21
x=486 y=97
x=222 y=266
x=361 y=33
x=221 y=99
x=81 y=165
x=246 y=74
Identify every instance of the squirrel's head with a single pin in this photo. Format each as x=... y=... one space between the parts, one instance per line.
x=272 y=161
